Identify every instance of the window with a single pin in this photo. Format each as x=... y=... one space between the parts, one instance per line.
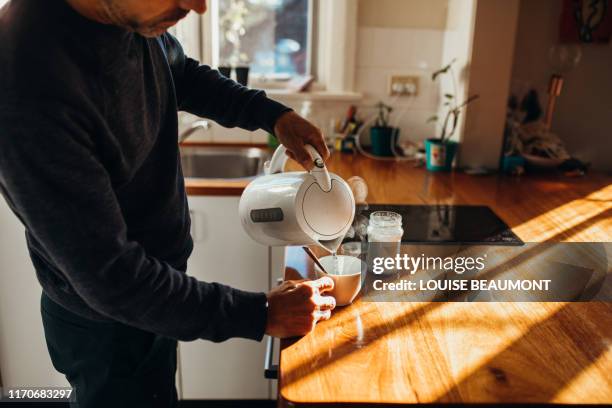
x=272 y=37
x=277 y=39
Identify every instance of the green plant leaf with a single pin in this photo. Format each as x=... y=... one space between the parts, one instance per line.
x=443 y=70
x=449 y=96
x=439 y=72
x=433 y=118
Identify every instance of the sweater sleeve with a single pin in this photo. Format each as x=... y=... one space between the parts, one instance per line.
x=63 y=195
x=203 y=91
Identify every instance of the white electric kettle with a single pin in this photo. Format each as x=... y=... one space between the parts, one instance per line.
x=299 y=207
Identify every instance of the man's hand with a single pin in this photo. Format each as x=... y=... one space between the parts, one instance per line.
x=295 y=307
x=294 y=132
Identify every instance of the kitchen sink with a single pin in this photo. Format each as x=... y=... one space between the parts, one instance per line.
x=223 y=162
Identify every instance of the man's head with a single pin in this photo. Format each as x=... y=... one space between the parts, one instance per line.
x=147 y=17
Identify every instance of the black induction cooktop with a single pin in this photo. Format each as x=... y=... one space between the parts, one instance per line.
x=445 y=224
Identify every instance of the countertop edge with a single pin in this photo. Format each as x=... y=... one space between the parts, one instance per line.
x=202 y=187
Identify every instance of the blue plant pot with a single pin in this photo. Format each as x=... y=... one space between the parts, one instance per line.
x=383 y=139
x=511 y=163
x=440 y=155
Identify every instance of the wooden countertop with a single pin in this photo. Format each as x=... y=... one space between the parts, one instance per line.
x=203 y=187
x=412 y=353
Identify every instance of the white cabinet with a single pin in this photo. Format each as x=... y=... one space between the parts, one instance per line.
x=24 y=360
x=224 y=253
x=277 y=265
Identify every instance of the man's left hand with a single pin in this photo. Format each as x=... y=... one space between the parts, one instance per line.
x=294 y=132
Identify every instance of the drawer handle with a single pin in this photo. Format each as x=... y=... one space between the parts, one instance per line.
x=270 y=370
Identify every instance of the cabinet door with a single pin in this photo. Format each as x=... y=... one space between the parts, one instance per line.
x=277 y=265
x=24 y=359
x=224 y=253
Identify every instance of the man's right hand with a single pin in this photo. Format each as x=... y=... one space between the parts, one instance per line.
x=295 y=307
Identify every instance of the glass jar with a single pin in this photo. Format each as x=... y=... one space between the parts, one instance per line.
x=384 y=238
x=385 y=226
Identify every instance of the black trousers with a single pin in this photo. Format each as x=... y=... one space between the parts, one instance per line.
x=110 y=364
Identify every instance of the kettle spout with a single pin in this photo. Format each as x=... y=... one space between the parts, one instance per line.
x=331 y=245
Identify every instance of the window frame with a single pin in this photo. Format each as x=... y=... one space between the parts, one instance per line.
x=332 y=63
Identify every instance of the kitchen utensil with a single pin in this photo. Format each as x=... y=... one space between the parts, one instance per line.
x=297 y=208
x=314 y=258
x=345 y=271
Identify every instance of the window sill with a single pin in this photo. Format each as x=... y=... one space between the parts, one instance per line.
x=283 y=94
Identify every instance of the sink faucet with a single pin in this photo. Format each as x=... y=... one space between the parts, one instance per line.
x=198 y=124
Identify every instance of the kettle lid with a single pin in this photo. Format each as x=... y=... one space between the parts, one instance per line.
x=328 y=213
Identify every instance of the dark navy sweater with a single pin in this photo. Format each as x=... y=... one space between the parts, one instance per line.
x=89 y=162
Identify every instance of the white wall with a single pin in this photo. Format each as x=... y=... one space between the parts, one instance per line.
x=457 y=45
x=383 y=52
x=24 y=359
x=479 y=34
x=489 y=76
x=430 y=14
x=401 y=37
x=582 y=117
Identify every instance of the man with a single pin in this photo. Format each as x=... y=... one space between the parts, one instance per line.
x=89 y=162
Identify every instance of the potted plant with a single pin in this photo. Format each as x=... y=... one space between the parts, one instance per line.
x=382 y=135
x=440 y=152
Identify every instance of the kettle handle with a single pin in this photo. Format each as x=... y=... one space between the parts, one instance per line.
x=319 y=171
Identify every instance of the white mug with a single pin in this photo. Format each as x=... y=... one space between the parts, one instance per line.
x=345 y=271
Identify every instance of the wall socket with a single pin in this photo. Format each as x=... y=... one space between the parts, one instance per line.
x=403 y=85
